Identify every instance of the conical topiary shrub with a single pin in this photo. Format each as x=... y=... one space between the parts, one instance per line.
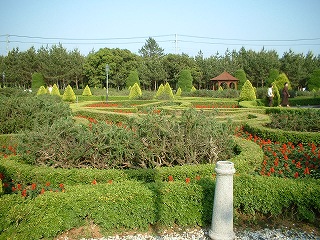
x=167 y=92
x=55 y=90
x=178 y=93
x=135 y=91
x=160 y=91
x=247 y=92
x=193 y=89
x=69 y=95
x=86 y=91
x=42 y=90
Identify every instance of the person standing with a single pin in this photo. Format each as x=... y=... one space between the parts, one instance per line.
x=270 y=95
x=285 y=95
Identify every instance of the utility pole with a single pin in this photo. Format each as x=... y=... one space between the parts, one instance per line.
x=176 y=43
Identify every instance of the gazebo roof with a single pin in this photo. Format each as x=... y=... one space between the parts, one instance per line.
x=225 y=76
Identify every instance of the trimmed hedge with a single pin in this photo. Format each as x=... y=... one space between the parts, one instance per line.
x=133 y=205
x=277 y=135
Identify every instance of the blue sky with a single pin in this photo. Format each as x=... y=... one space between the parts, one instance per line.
x=179 y=26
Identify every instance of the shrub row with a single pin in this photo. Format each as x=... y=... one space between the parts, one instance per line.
x=277 y=135
x=302 y=120
x=247 y=161
x=134 y=205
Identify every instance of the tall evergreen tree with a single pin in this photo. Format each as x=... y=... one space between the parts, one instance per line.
x=185 y=81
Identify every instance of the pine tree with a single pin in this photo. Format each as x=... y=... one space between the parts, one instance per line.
x=55 y=90
x=135 y=91
x=86 y=91
x=42 y=90
x=273 y=75
x=314 y=80
x=69 y=95
x=247 y=92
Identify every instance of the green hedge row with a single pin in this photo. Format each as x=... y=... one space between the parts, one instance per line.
x=277 y=135
x=134 y=205
x=304 y=101
x=247 y=161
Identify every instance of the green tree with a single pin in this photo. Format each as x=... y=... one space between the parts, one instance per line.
x=151 y=49
x=135 y=91
x=132 y=79
x=314 y=80
x=167 y=92
x=241 y=75
x=281 y=80
x=247 y=92
x=69 y=95
x=185 y=80
x=86 y=91
x=273 y=75
x=37 y=81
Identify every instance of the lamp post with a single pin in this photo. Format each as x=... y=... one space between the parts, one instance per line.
x=107 y=84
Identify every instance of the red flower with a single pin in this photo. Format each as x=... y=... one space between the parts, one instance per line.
x=1 y=176
x=187 y=180
x=61 y=186
x=13 y=189
x=19 y=186
x=33 y=186
x=110 y=181
x=42 y=191
x=306 y=171
x=272 y=170
x=24 y=193
x=94 y=182
x=48 y=184
x=197 y=177
x=170 y=178
x=298 y=165
x=296 y=175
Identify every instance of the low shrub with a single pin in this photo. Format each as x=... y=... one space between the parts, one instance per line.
x=302 y=120
x=28 y=112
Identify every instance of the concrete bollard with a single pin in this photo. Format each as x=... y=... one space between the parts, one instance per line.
x=222 y=214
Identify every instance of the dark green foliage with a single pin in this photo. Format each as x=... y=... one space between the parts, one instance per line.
x=302 y=120
x=132 y=79
x=37 y=81
x=273 y=75
x=314 y=80
x=241 y=75
x=28 y=112
x=152 y=141
x=185 y=81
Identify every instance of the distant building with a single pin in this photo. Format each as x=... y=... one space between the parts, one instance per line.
x=225 y=80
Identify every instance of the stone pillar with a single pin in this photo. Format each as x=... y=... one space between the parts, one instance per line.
x=222 y=214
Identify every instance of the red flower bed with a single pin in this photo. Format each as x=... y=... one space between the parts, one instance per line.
x=101 y=104
x=286 y=160
x=32 y=191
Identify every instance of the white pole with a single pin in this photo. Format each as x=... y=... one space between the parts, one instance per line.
x=222 y=214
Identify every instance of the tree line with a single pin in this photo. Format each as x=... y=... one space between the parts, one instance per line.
x=62 y=67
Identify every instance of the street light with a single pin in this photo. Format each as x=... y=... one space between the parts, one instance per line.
x=107 y=84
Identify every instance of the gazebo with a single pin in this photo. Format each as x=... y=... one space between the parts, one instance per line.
x=225 y=80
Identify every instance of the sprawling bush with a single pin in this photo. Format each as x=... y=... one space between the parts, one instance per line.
x=302 y=120
x=30 y=112
x=154 y=140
